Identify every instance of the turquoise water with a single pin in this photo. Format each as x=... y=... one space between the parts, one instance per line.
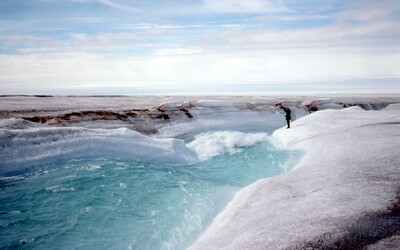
x=116 y=204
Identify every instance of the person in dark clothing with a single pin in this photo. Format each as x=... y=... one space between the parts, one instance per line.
x=288 y=114
x=288 y=117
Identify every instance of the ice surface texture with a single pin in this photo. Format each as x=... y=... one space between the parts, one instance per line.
x=175 y=116
x=24 y=149
x=343 y=194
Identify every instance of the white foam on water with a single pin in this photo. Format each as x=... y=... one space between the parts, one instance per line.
x=210 y=144
x=93 y=167
x=123 y=185
x=58 y=188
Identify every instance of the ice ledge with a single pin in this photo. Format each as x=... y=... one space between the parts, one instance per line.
x=344 y=193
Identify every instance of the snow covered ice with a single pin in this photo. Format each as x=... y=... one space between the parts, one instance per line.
x=344 y=193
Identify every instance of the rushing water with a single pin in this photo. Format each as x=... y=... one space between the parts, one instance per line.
x=125 y=204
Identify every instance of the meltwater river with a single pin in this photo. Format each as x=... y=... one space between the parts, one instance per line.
x=106 y=203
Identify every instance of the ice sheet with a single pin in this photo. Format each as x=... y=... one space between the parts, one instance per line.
x=343 y=193
x=176 y=115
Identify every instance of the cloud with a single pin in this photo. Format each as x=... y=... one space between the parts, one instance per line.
x=77 y=42
x=104 y=40
x=368 y=11
x=190 y=70
x=260 y=43
x=89 y=20
x=366 y=26
x=119 y=6
x=377 y=32
x=27 y=41
x=371 y=37
x=245 y=6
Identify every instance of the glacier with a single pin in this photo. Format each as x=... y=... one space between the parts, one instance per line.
x=344 y=192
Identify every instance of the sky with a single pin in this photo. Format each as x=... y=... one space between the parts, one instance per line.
x=199 y=46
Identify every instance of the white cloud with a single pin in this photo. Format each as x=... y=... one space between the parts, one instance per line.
x=104 y=40
x=89 y=20
x=119 y=6
x=178 y=51
x=73 y=70
x=110 y=3
x=28 y=41
x=373 y=36
x=350 y=46
x=368 y=10
x=245 y=6
x=77 y=42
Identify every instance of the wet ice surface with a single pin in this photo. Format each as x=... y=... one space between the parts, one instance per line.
x=344 y=193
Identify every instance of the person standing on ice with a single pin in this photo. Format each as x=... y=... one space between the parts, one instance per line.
x=288 y=114
x=288 y=117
